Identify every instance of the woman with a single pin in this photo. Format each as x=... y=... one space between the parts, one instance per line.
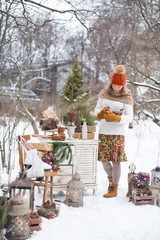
x=115 y=111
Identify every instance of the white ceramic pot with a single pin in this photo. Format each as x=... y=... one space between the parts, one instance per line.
x=71 y=131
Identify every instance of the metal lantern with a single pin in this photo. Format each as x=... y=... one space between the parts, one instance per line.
x=75 y=189
x=155 y=178
x=18 y=220
x=24 y=187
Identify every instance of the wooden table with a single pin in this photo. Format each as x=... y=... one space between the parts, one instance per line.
x=84 y=161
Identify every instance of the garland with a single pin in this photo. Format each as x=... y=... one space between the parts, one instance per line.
x=141 y=180
x=51 y=160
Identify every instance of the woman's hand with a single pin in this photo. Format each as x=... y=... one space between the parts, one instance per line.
x=107 y=108
x=111 y=117
x=100 y=115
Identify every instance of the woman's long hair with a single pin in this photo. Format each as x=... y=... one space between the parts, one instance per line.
x=108 y=89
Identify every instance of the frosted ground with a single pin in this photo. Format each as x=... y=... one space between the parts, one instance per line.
x=116 y=218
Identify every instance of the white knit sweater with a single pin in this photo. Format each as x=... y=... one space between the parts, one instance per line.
x=114 y=128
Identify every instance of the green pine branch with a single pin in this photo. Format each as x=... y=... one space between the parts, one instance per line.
x=62 y=151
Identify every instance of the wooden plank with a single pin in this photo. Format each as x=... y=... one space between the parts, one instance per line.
x=141 y=200
x=42 y=136
x=40 y=154
x=43 y=146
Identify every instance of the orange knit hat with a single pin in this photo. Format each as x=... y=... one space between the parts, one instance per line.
x=119 y=76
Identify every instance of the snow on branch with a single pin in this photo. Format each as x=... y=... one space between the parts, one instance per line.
x=144 y=85
x=154 y=118
x=35 y=79
x=150 y=101
x=155 y=80
x=143 y=74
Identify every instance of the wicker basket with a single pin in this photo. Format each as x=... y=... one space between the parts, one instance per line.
x=90 y=129
x=79 y=135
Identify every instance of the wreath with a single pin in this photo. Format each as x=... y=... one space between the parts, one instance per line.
x=141 y=180
x=51 y=160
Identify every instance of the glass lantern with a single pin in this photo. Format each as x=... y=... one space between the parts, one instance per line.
x=18 y=220
x=75 y=190
x=23 y=187
x=155 y=178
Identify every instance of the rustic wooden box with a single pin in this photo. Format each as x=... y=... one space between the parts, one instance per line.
x=142 y=200
x=34 y=224
x=131 y=187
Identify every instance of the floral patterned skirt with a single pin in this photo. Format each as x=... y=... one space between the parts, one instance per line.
x=111 y=148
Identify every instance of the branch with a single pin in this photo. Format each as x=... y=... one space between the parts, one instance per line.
x=36 y=78
x=151 y=116
x=144 y=85
x=149 y=101
x=149 y=77
x=112 y=46
x=51 y=9
x=72 y=11
x=146 y=20
x=29 y=116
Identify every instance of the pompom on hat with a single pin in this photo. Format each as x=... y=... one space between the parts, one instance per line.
x=119 y=76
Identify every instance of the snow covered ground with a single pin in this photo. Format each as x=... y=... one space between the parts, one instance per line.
x=115 y=218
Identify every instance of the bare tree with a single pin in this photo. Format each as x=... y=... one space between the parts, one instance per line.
x=122 y=31
x=126 y=33
x=111 y=38
x=145 y=68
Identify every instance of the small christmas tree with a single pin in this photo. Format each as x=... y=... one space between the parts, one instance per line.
x=73 y=91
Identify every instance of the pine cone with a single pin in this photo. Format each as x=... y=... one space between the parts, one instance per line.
x=42 y=212
x=46 y=204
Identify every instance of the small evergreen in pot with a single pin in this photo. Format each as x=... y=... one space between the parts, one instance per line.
x=71 y=126
x=90 y=123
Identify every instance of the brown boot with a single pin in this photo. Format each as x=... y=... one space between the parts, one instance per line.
x=110 y=183
x=113 y=192
x=110 y=189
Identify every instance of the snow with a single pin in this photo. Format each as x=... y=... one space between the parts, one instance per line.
x=14 y=91
x=116 y=218
x=146 y=85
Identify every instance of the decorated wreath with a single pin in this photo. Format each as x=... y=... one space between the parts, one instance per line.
x=141 y=180
x=51 y=160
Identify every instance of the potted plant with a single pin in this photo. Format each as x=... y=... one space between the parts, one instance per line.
x=71 y=126
x=91 y=125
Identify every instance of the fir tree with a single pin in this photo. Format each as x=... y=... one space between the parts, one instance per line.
x=73 y=91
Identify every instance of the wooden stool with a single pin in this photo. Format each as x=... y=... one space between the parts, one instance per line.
x=47 y=183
